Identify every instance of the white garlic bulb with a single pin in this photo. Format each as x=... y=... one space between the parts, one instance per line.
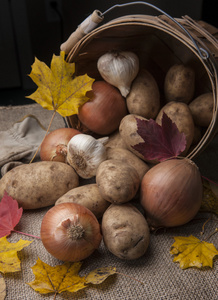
x=119 y=69
x=85 y=153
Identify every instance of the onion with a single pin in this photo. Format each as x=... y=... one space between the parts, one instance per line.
x=70 y=232
x=171 y=193
x=54 y=146
x=106 y=108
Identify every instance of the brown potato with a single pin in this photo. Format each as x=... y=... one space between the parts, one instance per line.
x=125 y=231
x=38 y=184
x=115 y=141
x=117 y=182
x=181 y=115
x=128 y=132
x=202 y=109
x=179 y=84
x=128 y=157
x=144 y=96
x=88 y=196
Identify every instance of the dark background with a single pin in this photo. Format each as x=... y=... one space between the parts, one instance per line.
x=36 y=28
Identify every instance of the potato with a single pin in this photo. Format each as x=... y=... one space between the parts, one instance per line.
x=202 y=109
x=38 y=184
x=144 y=96
x=179 y=84
x=127 y=157
x=181 y=115
x=115 y=141
x=88 y=196
x=128 y=132
x=117 y=182
x=125 y=231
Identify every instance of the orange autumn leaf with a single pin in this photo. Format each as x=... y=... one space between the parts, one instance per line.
x=58 y=88
x=192 y=252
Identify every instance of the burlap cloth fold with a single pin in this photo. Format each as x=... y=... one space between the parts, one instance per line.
x=160 y=278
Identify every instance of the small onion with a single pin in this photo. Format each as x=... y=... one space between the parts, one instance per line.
x=54 y=146
x=70 y=232
x=106 y=108
x=171 y=193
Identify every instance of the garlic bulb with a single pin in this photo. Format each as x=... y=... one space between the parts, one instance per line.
x=85 y=153
x=119 y=69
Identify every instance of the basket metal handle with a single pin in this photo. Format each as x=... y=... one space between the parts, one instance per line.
x=202 y=52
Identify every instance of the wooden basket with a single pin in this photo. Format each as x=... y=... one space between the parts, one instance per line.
x=159 y=41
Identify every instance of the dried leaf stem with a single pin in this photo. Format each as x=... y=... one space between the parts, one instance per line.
x=203 y=227
x=209 y=180
x=49 y=126
x=210 y=235
x=20 y=232
x=130 y=277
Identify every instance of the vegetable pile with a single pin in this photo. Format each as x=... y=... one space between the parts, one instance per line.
x=134 y=152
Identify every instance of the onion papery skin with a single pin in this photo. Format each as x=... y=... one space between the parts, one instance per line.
x=171 y=193
x=54 y=146
x=55 y=232
x=104 y=111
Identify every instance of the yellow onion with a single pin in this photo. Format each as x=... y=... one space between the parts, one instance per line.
x=171 y=193
x=70 y=232
x=54 y=146
x=105 y=109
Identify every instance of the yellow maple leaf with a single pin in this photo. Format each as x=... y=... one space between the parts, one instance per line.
x=9 y=261
x=58 y=279
x=2 y=288
x=191 y=252
x=97 y=276
x=58 y=88
x=63 y=277
x=210 y=199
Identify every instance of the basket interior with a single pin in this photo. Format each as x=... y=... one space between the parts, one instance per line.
x=157 y=50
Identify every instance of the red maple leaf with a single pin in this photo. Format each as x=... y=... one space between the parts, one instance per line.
x=10 y=215
x=160 y=141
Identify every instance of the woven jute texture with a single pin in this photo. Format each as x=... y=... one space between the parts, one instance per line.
x=153 y=277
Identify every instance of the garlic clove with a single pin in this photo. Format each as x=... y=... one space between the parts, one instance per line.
x=85 y=153
x=119 y=69
x=104 y=140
